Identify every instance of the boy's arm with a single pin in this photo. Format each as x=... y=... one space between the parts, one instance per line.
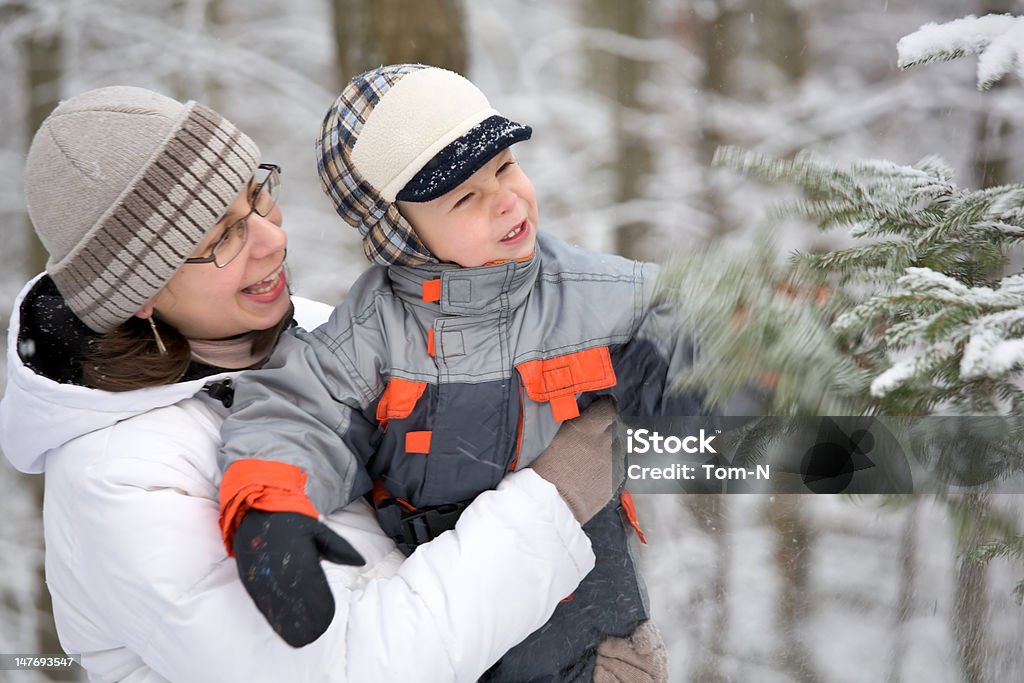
x=297 y=438
x=294 y=448
x=659 y=350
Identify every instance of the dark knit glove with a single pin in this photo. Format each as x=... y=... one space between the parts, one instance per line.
x=639 y=658
x=278 y=556
x=578 y=461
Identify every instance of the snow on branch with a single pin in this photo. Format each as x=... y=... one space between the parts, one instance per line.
x=936 y=331
x=997 y=38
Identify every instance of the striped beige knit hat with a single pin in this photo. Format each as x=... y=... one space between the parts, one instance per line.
x=122 y=184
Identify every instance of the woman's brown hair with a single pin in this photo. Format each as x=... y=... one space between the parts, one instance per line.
x=127 y=357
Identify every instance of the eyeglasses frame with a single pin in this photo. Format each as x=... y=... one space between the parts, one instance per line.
x=275 y=171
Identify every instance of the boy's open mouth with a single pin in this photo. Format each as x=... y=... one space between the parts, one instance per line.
x=515 y=232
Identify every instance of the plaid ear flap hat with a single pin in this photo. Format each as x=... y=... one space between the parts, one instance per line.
x=410 y=132
x=122 y=184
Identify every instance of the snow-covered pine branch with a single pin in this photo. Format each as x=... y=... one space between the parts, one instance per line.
x=935 y=327
x=761 y=332
x=998 y=39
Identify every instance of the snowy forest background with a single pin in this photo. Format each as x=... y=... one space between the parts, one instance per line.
x=628 y=101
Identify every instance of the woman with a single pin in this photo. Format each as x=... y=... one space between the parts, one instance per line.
x=166 y=276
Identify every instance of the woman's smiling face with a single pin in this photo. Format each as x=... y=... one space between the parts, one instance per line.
x=250 y=293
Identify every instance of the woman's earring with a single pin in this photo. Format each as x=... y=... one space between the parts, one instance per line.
x=156 y=335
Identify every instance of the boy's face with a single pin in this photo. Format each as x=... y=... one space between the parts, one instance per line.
x=492 y=216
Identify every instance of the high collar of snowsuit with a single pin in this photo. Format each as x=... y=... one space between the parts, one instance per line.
x=467 y=291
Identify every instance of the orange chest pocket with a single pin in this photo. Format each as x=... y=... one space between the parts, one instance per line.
x=398 y=399
x=558 y=380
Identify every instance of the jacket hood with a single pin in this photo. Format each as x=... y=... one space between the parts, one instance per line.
x=39 y=414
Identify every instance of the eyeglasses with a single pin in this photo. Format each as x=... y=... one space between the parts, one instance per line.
x=261 y=202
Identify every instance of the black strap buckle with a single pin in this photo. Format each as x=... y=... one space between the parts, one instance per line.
x=221 y=391
x=415 y=527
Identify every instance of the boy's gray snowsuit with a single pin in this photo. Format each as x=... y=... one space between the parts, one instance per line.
x=430 y=383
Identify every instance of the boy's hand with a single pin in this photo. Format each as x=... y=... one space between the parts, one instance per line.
x=639 y=658
x=278 y=556
x=578 y=461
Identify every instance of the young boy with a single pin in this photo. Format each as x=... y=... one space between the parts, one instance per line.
x=455 y=359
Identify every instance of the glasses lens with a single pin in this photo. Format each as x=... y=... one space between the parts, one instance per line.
x=231 y=243
x=265 y=198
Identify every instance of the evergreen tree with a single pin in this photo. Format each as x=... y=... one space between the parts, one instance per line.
x=941 y=331
x=917 y=317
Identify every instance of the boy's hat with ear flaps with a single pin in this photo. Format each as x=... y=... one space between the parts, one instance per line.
x=409 y=132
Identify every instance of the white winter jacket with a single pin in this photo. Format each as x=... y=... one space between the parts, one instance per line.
x=143 y=589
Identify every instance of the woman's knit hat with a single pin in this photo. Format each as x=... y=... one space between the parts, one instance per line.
x=409 y=132
x=122 y=184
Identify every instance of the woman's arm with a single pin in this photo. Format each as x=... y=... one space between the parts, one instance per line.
x=149 y=558
x=464 y=599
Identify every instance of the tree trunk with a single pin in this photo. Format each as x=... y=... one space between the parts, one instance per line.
x=908 y=587
x=711 y=512
x=44 y=66
x=793 y=544
x=776 y=31
x=620 y=78
x=990 y=165
x=717 y=44
x=970 y=604
x=719 y=50
x=368 y=33
x=191 y=80
x=782 y=32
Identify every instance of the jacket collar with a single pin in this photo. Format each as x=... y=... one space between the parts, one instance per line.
x=466 y=291
x=39 y=414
